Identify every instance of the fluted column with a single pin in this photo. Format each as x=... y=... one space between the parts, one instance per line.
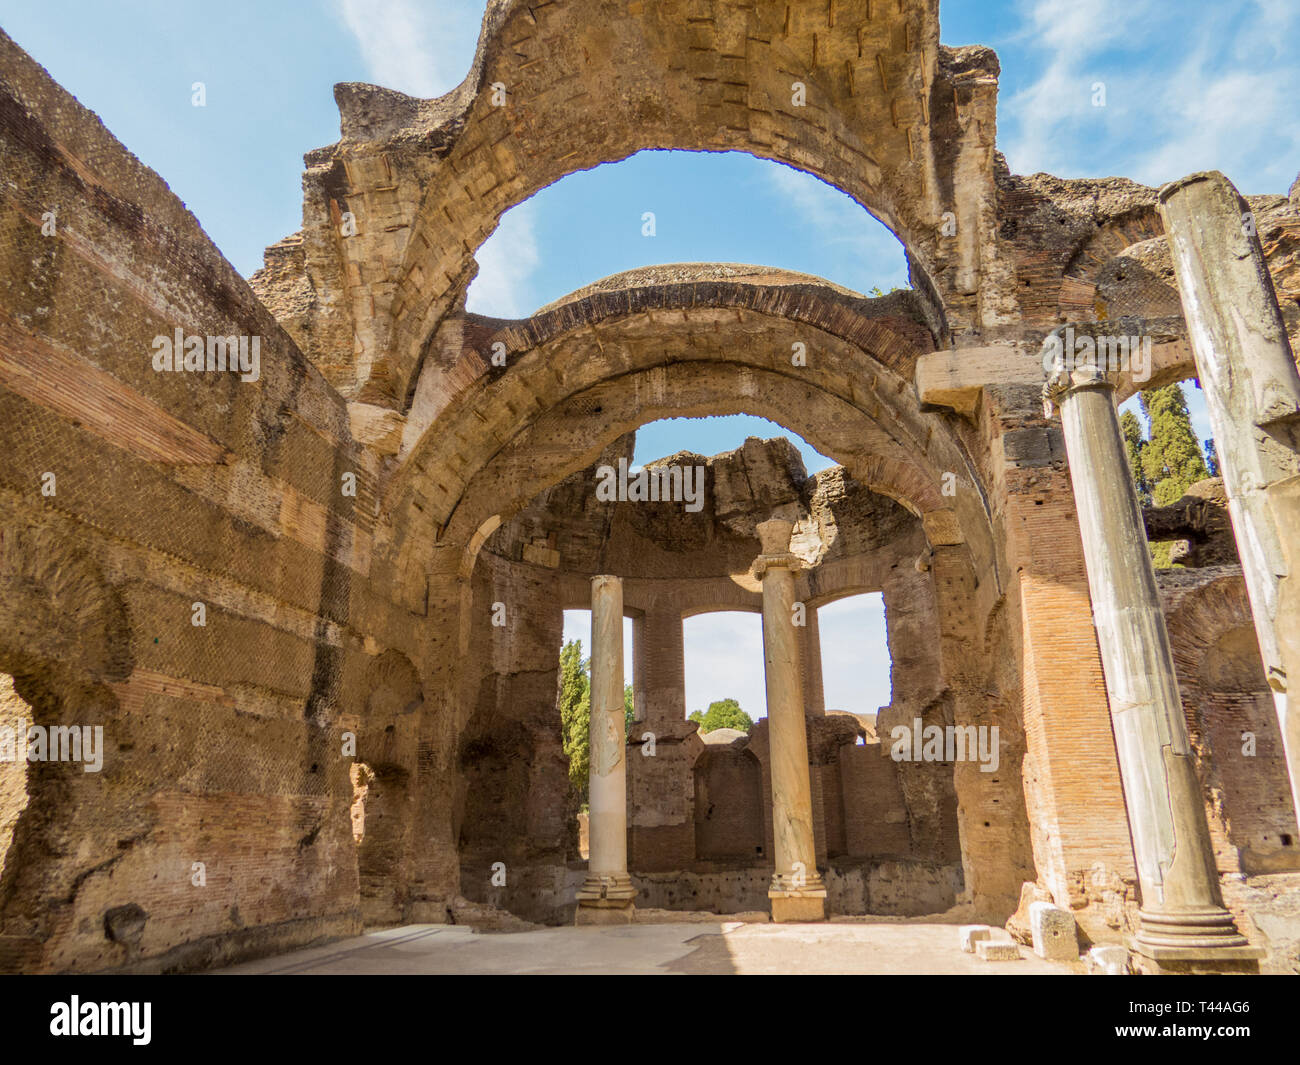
x=607 y=892
x=1252 y=395
x=797 y=891
x=1182 y=916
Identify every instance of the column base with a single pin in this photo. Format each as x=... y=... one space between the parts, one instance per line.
x=587 y=914
x=797 y=904
x=1190 y=941
x=605 y=900
x=797 y=909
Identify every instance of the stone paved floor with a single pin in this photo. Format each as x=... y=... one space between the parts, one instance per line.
x=711 y=948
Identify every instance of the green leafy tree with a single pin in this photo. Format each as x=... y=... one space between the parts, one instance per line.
x=1171 y=458
x=723 y=713
x=629 y=711
x=575 y=714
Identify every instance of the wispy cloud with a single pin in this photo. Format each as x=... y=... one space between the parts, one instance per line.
x=835 y=221
x=1238 y=116
x=422 y=49
x=1192 y=86
x=507 y=261
x=1067 y=40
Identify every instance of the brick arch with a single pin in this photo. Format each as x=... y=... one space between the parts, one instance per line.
x=572 y=435
x=1078 y=299
x=856 y=353
x=886 y=119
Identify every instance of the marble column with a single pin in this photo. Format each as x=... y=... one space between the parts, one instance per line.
x=1252 y=395
x=1182 y=917
x=607 y=892
x=797 y=891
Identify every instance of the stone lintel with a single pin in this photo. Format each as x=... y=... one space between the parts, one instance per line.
x=954 y=379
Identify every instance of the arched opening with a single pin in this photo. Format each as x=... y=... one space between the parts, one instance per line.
x=725 y=697
x=690 y=799
x=724 y=669
x=668 y=207
x=15 y=717
x=855 y=664
x=382 y=775
x=512 y=129
x=573 y=703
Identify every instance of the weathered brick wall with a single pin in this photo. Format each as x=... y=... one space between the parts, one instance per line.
x=875 y=812
x=1231 y=720
x=515 y=806
x=223 y=742
x=729 y=804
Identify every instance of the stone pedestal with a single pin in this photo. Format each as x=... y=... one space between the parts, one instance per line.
x=1182 y=912
x=1252 y=395
x=797 y=891
x=607 y=892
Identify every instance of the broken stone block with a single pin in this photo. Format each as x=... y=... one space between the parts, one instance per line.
x=972 y=934
x=1053 y=932
x=1018 y=923
x=997 y=950
x=1108 y=961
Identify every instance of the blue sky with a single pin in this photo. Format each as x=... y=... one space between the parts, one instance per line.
x=1189 y=86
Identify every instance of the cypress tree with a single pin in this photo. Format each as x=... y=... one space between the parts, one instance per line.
x=575 y=715
x=1171 y=458
x=1131 y=429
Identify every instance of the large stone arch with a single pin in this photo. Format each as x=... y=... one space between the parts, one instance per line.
x=64 y=640
x=874 y=106
x=622 y=349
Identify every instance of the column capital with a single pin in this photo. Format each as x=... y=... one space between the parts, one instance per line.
x=774 y=536
x=783 y=561
x=1092 y=355
x=602 y=579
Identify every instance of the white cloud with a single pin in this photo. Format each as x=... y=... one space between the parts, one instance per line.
x=1241 y=121
x=1188 y=87
x=1069 y=35
x=422 y=49
x=507 y=261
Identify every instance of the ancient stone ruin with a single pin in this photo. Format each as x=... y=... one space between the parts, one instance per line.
x=288 y=557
